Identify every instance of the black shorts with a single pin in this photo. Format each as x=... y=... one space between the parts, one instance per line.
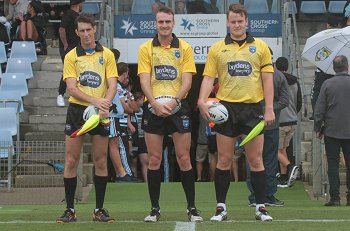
x=139 y=146
x=74 y=121
x=178 y=122
x=243 y=117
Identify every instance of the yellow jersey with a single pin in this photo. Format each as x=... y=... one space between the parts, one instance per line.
x=90 y=70
x=166 y=64
x=239 y=68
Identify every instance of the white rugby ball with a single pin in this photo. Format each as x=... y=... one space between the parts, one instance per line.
x=164 y=99
x=89 y=111
x=218 y=114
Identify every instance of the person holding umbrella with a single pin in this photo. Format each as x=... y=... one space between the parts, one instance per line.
x=331 y=120
x=244 y=68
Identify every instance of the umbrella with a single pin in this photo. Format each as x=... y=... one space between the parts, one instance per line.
x=253 y=133
x=321 y=48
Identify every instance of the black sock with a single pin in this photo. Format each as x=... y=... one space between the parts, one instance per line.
x=153 y=177
x=187 y=179
x=100 y=189
x=222 y=180
x=288 y=167
x=70 y=185
x=258 y=185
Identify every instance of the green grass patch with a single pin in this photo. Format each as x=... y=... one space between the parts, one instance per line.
x=129 y=204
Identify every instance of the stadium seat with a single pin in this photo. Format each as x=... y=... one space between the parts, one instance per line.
x=6 y=143
x=3 y=57
x=313 y=7
x=14 y=82
x=24 y=49
x=91 y=8
x=256 y=6
x=20 y=65
x=232 y=1
x=336 y=7
x=292 y=7
x=142 y=7
x=8 y=120
x=11 y=98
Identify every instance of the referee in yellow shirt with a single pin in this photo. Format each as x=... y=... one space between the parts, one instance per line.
x=165 y=67
x=245 y=73
x=91 y=76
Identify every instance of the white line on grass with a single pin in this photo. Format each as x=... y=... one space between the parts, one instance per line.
x=188 y=225
x=185 y=226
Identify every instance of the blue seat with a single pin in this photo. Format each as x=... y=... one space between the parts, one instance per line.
x=256 y=6
x=336 y=7
x=91 y=8
x=11 y=98
x=24 y=49
x=292 y=7
x=8 y=120
x=14 y=82
x=20 y=65
x=3 y=57
x=142 y=7
x=229 y=2
x=313 y=7
x=6 y=143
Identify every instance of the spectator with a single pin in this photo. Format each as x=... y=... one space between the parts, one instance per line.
x=33 y=23
x=320 y=76
x=17 y=8
x=163 y=73
x=212 y=8
x=88 y=85
x=271 y=138
x=180 y=6
x=245 y=79
x=156 y=5
x=68 y=40
x=288 y=122
x=331 y=120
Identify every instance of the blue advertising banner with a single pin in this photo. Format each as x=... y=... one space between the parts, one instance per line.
x=143 y=26
x=265 y=25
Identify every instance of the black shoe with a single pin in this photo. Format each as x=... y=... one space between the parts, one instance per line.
x=311 y=118
x=333 y=203
x=101 y=215
x=67 y=216
x=127 y=179
x=273 y=201
x=193 y=215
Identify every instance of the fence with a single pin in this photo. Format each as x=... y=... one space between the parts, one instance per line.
x=31 y=172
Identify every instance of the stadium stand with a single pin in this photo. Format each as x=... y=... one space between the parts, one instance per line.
x=8 y=120
x=11 y=98
x=292 y=7
x=20 y=65
x=336 y=7
x=91 y=8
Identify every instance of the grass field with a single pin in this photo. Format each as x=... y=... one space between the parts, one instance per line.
x=129 y=203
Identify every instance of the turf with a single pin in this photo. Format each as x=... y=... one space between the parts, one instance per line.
x=129 y=203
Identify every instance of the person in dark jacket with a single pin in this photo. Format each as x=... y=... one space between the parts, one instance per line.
x=332 y=121
x=288 y=121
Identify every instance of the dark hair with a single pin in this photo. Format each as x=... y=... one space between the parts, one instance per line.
x=37 y=6
x=165 y=9
x=333 y=21
x=238 y=9
x=282 y=64
x=116 y=53
x=85 y=18
x=340 y=64
x=138 y=95
x=122 y=68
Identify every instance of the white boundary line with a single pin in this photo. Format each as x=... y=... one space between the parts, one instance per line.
x=185 y=226
x=182 y=223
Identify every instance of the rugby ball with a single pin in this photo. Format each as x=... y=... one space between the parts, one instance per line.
x=164 y=99
x=218 y=114
x=89 y=111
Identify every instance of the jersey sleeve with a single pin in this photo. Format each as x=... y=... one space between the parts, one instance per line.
x=210 y=68
x=188 y=62
x=144 y=61
x=69 y=70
